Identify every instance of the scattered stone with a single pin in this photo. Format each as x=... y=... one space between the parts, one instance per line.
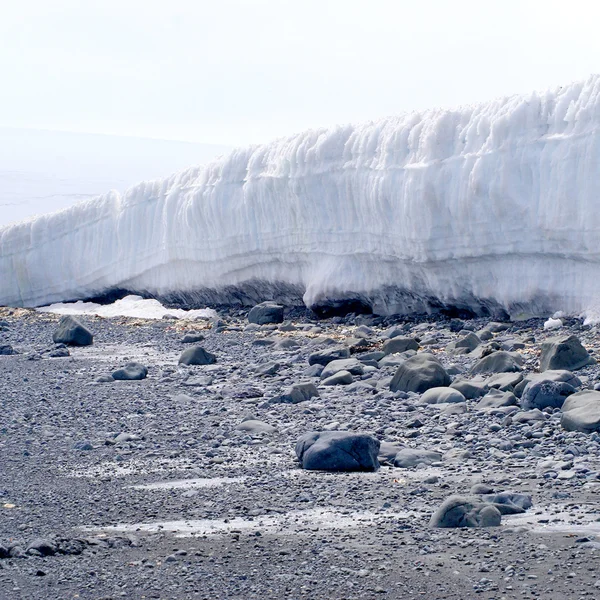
x=338 y=451
x=266 y=312
x=581 y=412
x=498 y=362
x=324 y=357
x=192 y=338
x=339 y=378
x=42 y=547
x=470 y=389
x=299 y=392
x=71 y=332
x=442 y=395
x=352 y=365
x=544 y=394
x=131 y=372
x=255 y=426
x=418 y=374
x=197 y=355
x=412 y=457
x=497 y=399
x=6 y=350
x=564 y=352
x=463 y=511
x=399 y=344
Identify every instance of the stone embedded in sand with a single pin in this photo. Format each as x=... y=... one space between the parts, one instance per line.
x=197 y=355
x=338 y=451
x=71 y=332
x=265 y=313
x=564 y=352
x=581 y=412
x=419 y=374
x=132 y=371
x=192 y=338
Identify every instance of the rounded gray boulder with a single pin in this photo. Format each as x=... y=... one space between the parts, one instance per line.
x=546 y=394
x=338 y=451
x=266 y=312
x=419 y=374
x=197 y=355
x=131 y=372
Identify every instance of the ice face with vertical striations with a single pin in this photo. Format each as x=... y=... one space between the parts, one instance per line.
x=491 y=205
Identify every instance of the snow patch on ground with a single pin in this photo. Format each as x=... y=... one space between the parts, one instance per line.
x=130 y=306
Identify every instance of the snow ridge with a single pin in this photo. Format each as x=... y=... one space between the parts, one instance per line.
x=493 y=204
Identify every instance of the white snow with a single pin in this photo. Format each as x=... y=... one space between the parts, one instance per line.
x=553 y=324
x=495 y=202
x=130 y=306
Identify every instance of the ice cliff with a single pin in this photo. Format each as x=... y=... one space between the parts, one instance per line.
x=491 y=205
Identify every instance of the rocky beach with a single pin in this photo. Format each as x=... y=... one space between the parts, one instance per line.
x=271 y=454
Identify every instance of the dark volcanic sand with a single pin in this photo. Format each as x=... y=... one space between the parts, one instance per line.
x=254 y=525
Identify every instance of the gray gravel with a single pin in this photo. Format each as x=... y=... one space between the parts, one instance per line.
x=152 y=488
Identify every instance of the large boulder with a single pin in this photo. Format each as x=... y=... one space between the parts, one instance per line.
x=498 y=362
x=131 y=372
x=564 y=352
x=71 y=332
x=581 y=412
x=442 y=395
x=559 y=375
x=299 y=392
x=419 y=374
x=546 y=394
x=266 y=312
x=324 y=357
x=338 y=451
x=399 y=344
x=197 y=355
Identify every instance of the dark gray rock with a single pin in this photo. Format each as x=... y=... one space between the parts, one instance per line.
x=42 y=547
x=581 y=412
x=131 y=372
x=324 y=357
x=267 y=369
x=544 y=394
x=441 y=395
x=299 y=392
x=6 y=350
x=418 y=374
x=399 y=344
x=505 y=382
x=559 y=375
x=564 y=352
x=266 y=312
x=338 y=451
x=313 y=371
x=192 y=338
x=498 y=362
x=528 y=416
x=197 y=355
x=71 y=332
x=61 y=351
x=465 y=511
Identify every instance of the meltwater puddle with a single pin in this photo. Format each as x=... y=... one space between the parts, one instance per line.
x=557 y=518
x=188 y=484
x=293 y=522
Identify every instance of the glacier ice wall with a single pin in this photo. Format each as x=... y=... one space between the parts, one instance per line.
x=494 y=204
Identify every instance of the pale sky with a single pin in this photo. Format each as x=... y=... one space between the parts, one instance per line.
x=243 y=71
